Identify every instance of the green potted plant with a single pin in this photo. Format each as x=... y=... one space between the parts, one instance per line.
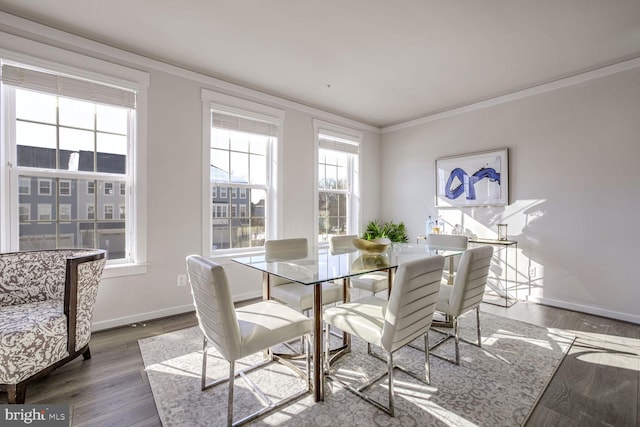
x=389 y=230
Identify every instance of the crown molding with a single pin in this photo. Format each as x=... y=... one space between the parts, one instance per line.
x=524 y=93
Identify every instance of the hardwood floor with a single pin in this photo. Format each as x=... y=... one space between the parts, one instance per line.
x=597 y=384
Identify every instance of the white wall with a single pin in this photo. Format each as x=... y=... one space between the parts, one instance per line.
x=574 y=181
x=174 y=181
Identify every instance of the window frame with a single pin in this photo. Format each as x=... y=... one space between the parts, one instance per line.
x=108 y=213
x=67 y=186
x=64 y=62
x=44 y=181
x=67 y=208
x=26 y=206
x=44 y=209
x=28 y=187
x=90 y=211
x=351 y=137
x=230 y=105
x=109 y=189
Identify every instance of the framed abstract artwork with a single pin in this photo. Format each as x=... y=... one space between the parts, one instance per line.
x=475 y=179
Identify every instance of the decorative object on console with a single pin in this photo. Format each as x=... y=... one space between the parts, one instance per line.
x=476 y=179
x=502 y=231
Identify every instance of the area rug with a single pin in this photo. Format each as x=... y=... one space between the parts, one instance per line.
x=496 y=385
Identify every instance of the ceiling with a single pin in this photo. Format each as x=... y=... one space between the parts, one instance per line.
x=379 y=62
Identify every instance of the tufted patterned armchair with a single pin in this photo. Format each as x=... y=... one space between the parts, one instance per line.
x=46 y=309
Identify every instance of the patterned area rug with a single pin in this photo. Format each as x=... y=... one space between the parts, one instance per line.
x=496 y=385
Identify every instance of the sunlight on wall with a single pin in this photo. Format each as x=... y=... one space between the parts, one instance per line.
x=520 y=216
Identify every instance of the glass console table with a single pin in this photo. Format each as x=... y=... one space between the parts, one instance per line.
x=500 y=289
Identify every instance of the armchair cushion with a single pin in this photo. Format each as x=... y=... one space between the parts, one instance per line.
x=31 y=336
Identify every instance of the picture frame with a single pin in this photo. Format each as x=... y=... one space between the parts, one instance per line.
x=474 y=179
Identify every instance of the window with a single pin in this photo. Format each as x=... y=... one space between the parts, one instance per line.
x=24 y=212
x=44 y=212
x=220 y=211
x=91 y=211
x=24 y=186
x=108 y=211
x=65 y=212
x=240 y=158
x=338 y=180
x=70 y=135
x=108 y=188
x=44 y=187
x=64 y=187
x=241 y=138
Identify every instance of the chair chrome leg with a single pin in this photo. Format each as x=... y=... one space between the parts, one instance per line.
x=390 y=373
x=478 y=324
x=427 y=365
x=457 y=339
x=230 y=401
x=456 y=336
x=203 y=383
x=327 y=354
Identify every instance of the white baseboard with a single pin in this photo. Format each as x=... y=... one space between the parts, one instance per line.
x=626 y=317
x=150 y=315
x=141 y=317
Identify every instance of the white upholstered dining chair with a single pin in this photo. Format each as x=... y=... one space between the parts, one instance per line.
x=392 y=324
x=373 y=282
x=294 y=294
x=465 y=294
x=448 y=241
x=237 y=333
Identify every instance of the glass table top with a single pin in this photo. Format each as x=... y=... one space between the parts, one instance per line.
x=321 y=264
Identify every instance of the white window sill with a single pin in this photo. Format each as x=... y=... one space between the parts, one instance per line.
x=120 y=270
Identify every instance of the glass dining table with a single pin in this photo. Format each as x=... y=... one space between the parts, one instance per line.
x=323 y=265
